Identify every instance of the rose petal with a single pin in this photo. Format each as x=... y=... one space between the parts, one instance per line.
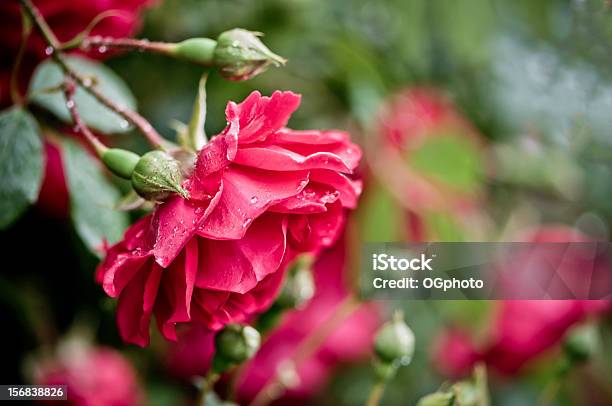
x=261 y=116
x=237 y=265
x=275 y=158
x=136 y=304
x=247 y=193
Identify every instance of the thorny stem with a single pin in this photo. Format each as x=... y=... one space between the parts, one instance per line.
x=132 y=44
x=131 y=116
x=69 y=89
x=25 y=35
x=274 y=387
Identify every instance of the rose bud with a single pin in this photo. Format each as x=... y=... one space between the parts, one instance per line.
x=299 y=286
x=581 y=343
x=156 y=175
x=240 y=55
x=234 y=345
x=394 y=342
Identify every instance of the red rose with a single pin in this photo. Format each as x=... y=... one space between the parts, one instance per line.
x=94 y=377
x=524 y=329
x=259 y=194
x=349 y=340
x=66 y=18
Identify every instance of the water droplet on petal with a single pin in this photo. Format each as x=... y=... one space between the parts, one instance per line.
x=102 y=49
x=48 y=51
x=124 y=124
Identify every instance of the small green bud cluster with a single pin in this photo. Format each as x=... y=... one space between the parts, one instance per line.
x=299 y=286
x=235 y=344
x=393 y=347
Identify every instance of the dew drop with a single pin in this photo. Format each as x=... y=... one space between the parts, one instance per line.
x=70 y=104
x=87 y=82
x=102 y=49
x=254 y=199
x=48 y=51
x=124 y=124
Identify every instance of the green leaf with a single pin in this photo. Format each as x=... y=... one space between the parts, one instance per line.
x=450 y=159
x=21 y=163
x=49 y=76
x=194 y=138
x=380 y=216
x=92 y=199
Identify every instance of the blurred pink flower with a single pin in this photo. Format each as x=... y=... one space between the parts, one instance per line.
x=192 y=354
x=349 y=340
x=94 y=377
x=455 y=353
x=259 y=194
x=522 y=330
x=415 y=114
x=405 y=123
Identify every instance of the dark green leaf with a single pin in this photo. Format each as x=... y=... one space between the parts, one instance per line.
x=92 y=199
x=21 y=163
x=49 y=76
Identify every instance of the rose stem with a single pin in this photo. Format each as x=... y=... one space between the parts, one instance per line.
x=376 y=394
x=69 y=89
x=131 y=116
x=131 y=44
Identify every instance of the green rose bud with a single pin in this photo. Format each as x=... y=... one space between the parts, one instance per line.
x=157 y=175
x=236 y=344
x=240 y=55
x=299 y=285
x=437 y=399
x=120 y=161
x=395 y=341
x=581 y=343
